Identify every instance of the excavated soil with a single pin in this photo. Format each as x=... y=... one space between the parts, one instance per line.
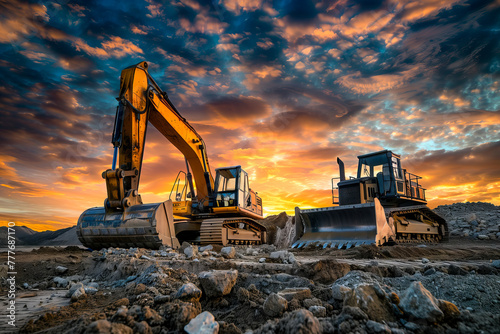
x=145 y=282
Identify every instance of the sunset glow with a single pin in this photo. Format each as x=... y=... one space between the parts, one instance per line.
x=281 y=88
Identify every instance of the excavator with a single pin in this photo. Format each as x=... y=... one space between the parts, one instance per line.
x=383 y=205
x=202 y=210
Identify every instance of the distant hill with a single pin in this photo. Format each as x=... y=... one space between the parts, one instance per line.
x=27 y=237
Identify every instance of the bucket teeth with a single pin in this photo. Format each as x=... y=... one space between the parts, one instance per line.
x=295 y=244
x=349 y=245
x=341 y=245
x=325 y=245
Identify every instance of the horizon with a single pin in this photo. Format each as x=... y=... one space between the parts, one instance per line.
x=280 y=88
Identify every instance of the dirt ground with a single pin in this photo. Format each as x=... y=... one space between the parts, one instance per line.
x=460 y=271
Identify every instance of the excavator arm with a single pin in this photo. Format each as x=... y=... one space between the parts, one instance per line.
x=141 y=100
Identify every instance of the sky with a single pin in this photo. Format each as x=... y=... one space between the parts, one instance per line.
x=281 y=88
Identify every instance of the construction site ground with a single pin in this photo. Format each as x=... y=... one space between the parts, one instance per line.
x=461 y=271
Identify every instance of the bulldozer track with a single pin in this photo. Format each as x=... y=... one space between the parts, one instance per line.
x=217 y=231
x=405 y=238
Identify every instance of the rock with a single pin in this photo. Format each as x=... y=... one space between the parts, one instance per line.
x=206 y=248
x=424 y=260
x=142 y=328
x=299 y=321
x=318 y=311
x=449 y=310
x=456 y=270
x=496 y=264
x=120 y=328
x=483 y=237
x=339 y=291
x=284 y=255
x=99 y=326
x=274 y=305
x=429 y=272
x=191 y=252
x=79 y=293
x=61 y=282
x=355 y=277
x=228 y=252
x=311 y=302
x=73 y=288
x=203 y=323
x=377 y=327
x=90 y=290
x=61 y=269
x=372 y=300
x=217 y=283
x=262 y=260
x=412 y=326
x=297 y=293
x=470 y=217
x=140 y=288
x=188 y=292
x=418 y=302
x=177 y=315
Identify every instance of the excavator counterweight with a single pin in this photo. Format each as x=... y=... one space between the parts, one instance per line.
x=125 y=221
x=383 y=205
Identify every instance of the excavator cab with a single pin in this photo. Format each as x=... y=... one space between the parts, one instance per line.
x=232 y=193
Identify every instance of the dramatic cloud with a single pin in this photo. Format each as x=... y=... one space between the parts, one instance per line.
x=280 y=88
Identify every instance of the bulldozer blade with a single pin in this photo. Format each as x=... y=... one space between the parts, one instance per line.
x=144 y=225
x=343 y=226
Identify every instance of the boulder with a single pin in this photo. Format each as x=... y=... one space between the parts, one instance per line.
x=372 y=300
x=206 y=248
x=217 y=283
x=274 y=305
x=99 y=326
x=449 y=310
x=377 y=327
x=203 y=323
x=419 y=303
x=283 y=255
x=61 y=269
x=300 y=322
x=318 y=311
x=73 y=288
x=61 y=282
x=191 y=252
x=298 y=293
x=188 y=292
x=228 y=252
x=79 y=293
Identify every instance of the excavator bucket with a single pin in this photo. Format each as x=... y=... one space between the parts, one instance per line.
x=145 y=225
x=343 y=227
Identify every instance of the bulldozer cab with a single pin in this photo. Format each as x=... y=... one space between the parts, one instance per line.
x=232 y=191
x=385 y=167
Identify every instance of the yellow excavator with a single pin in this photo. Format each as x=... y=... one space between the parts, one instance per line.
x=384 y=204
x=204 y=211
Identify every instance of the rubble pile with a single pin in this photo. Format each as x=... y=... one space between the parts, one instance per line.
x=231 y=290
x=475 y=220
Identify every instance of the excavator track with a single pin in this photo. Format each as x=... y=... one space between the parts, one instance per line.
x=232 y=231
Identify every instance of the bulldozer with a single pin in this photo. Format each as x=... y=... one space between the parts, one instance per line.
x=200 y=209
x=383 y=205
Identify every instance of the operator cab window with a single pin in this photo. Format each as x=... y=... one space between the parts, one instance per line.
x=226 y=187
x=396 y=168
